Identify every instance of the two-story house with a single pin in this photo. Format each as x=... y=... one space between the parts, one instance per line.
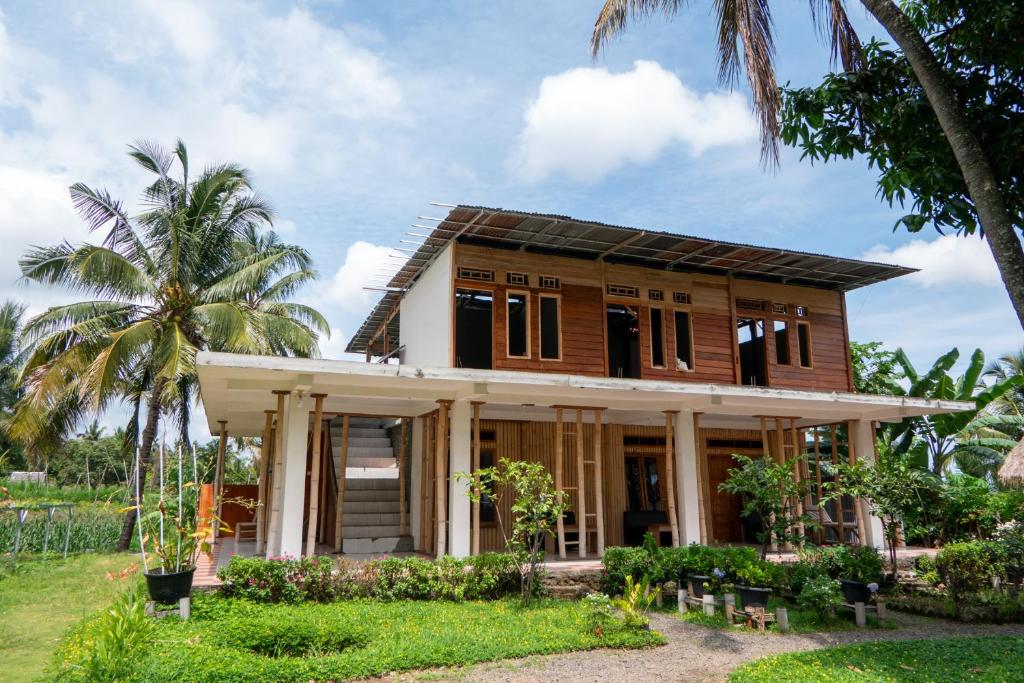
x=632 y=363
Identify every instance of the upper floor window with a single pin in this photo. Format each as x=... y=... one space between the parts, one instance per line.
x=518 y=324
x=473 y=325
x=803 y=341
x=781 y=342
x=550 y=327
x=657 y=338
x=684 y=341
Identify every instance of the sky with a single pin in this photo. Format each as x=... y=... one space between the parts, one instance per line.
x=353 y=116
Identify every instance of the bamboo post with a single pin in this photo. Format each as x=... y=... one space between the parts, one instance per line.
x=840 y=514
x=780 y=458
x=705 y=483
x=474 y=467
x=599 y=482
x=266 y=451
x=441 y=476
x=403 y=459
x=670 y=476
x=339 y=508
x=817 y=490
x=316 y=450
x=560 y=522
x=425 y=460
x=581 y=486
x=274 y=527
x=218 y=487
x=326 y=470
x=799 y=502
x=851 y=458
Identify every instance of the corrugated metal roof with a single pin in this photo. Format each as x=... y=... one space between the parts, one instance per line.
x=566 y=236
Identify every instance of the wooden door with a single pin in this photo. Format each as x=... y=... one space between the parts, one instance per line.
x=725 y=507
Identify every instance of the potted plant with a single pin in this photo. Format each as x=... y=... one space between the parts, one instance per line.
x=860 y=575
x=172 y=545
x=752 y=585
x=715 y=584
x=697 y=583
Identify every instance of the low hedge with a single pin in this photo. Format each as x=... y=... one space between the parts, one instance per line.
x=675 y=564
x=483 y=577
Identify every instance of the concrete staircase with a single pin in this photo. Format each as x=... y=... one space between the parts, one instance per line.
x=371 y=511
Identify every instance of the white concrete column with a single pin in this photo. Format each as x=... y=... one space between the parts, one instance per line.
x=293 y=484
x=864 y=449
x=415 y=481
x=686 y=478
x=460 y=459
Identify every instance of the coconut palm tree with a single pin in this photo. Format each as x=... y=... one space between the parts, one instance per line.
x=197 y=269
x=11 y=357
x=1004 y=367
x=749 y=23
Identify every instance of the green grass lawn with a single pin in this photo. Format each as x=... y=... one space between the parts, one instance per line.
x=234 y=640
x=40 y=600
x=949 y=659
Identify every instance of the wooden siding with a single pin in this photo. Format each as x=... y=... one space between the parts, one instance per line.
x=582 y=311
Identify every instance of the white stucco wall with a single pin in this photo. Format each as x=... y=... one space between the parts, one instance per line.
x=425 y=326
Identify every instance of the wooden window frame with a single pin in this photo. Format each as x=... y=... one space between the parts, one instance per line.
x=540 y=327
x=693 y=349
x=789 y=343
x=650 y=336
x=529 y=349
x=810 y=346
x=476 y=287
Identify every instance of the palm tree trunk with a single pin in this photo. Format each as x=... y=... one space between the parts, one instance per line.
x=146 y=445
x=982 y=184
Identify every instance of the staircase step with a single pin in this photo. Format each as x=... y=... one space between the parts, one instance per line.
x=370 y=519
x=353 y=473
x=374 y=484
x=389 y=505
x=370 y=496
x=370 y=452
x=364 y=442
x=376 y=546
x=375 y=531
x=371 y=462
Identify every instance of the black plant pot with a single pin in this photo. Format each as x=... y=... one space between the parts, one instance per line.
x=1015 y=574
x=751 y=596
x=697 y=583
x=168 y=588
x=855 y=591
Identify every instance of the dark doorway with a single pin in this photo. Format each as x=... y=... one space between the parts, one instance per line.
x=753 y=365
x=623 y=342
x=726 y=520
x=473 y=329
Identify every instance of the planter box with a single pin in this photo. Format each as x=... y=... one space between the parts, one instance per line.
x=751 y=596
x=697 y=584
x=167 y=589
x=855 y=591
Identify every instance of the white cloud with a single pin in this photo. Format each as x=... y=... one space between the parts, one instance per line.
x=587 y=122
x=364 y=264
x=946 y=260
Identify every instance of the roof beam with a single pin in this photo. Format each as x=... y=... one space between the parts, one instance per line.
x=624 y=243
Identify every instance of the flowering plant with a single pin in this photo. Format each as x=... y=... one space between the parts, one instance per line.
x=719 y=582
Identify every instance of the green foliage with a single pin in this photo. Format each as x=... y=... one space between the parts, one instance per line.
x=94 y=528
x=677 y=564
x=620 y=563
x=279 y=580
x=536 y=507
x=854 y=563
x=769 y=491
x=875 y=370
x=599 y=612
x=968 y=568
x=821 y=595
x=993 y=659
x=380 y=637
x=120 y=633
x=636 y=601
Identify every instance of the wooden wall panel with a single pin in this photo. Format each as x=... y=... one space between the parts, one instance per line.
x=583 y=319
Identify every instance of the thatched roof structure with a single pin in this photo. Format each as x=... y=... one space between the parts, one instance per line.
x=1011 y=472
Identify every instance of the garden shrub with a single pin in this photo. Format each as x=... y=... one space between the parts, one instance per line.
x=854 y=563
x=968 y=568
x=820 y=594
x=492 y=576
x=676 y=564
x=622 y=562
x=279 y=580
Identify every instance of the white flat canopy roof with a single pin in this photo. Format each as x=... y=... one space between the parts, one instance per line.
x=238 y=389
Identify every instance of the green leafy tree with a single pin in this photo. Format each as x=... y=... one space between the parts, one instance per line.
x=196 y=269
x=535 y=507
x=875 y=370
x=769 y=492
x=937 y=440
x=927 y=33
x=11 y=358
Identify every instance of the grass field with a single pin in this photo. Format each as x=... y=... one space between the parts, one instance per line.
x=40 y=601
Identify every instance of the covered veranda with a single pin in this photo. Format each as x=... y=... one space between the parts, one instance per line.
x=448 y=420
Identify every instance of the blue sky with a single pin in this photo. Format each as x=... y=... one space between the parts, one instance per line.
x=353 y=116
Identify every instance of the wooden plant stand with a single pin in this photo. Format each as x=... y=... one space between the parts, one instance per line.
x=860 y=611
x=757 y=617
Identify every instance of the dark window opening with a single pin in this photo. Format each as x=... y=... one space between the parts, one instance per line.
x=518 y=325
x=642 y=485
x=623 y=342
x=488 y=515
x=752 y=351
x=473 y=328
x=550 y=335
x=684 y=343
x=735 y=443
x=643 y=441
x=657 y=339
x=803 y=338
x=781 y=342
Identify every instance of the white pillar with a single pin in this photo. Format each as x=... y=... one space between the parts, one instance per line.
x=460 y=459
x=415 y=479
x=293 y=485
x=686 y=478
x=864 y=449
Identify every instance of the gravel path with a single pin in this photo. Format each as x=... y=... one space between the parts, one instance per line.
x=694 y=653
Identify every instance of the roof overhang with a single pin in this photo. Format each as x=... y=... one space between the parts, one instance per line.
x=594 y=241
x=238 y=389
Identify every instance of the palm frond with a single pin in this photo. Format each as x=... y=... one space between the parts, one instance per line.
x=128 y=346
x=835 y=27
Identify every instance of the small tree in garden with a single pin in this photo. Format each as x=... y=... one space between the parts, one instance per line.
x=891 y=487
x=536 y=507
x=770 y=492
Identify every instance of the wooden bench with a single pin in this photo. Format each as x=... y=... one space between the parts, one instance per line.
x=247 y=529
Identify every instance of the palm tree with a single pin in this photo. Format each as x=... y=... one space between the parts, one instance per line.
x=196 y=269
x=11 y=357
x=749 y=23
x=1004 y=367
